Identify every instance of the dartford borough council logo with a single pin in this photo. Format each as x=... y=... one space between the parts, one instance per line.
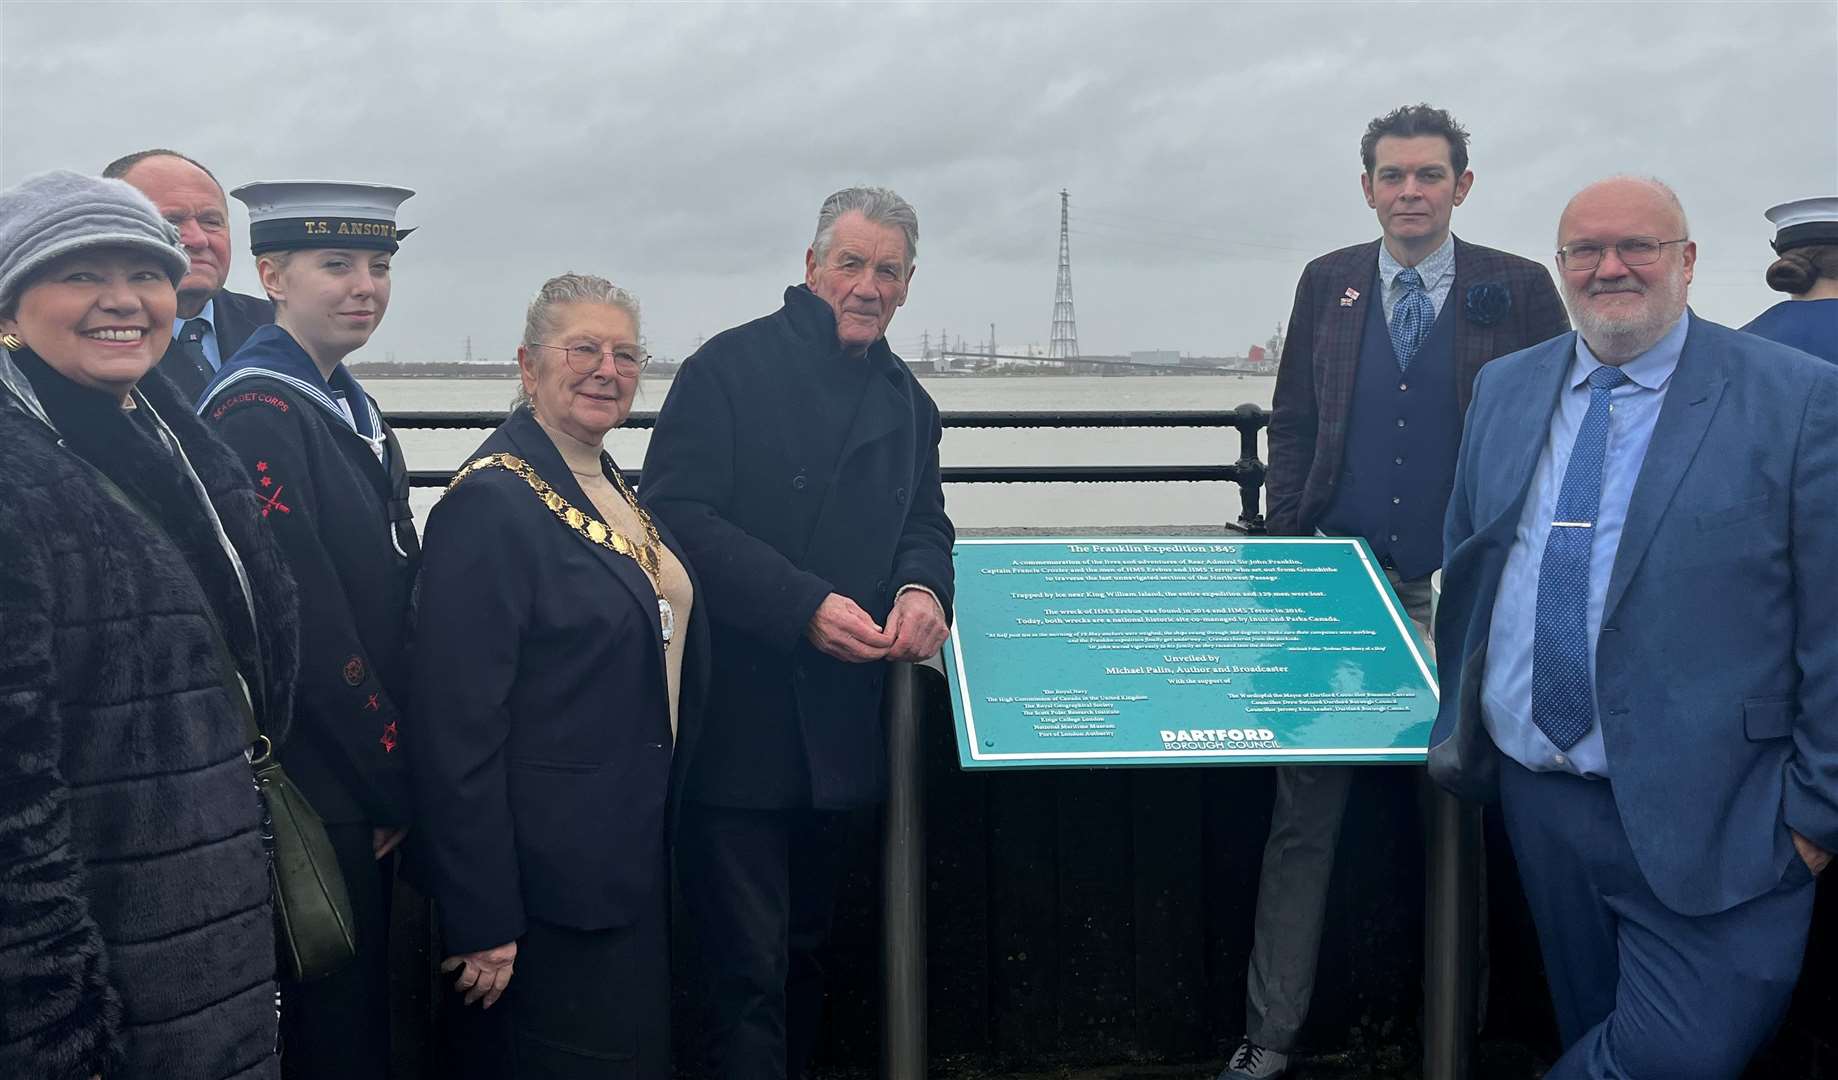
x=1249 y=738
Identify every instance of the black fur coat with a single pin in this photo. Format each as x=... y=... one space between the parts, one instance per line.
x=136 y=933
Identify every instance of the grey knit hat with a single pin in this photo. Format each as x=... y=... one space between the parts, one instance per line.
x=56 y=213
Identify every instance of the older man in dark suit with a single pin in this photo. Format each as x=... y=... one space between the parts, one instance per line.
x=796 y=460
x=1640 y=649
x=1384 y=342
x=212 y=321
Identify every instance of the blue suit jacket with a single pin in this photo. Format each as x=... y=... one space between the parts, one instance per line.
x=1717 y=664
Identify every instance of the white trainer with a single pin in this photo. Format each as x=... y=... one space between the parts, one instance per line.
x=1253 y=1062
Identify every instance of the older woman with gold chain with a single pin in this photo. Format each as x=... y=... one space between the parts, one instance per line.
x=560 y=659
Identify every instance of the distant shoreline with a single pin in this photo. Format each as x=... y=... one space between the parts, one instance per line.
x=387 y=370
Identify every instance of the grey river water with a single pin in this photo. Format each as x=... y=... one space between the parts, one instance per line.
x=970 y=505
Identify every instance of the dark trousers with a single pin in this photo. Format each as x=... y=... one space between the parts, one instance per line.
x=1298 y=865
x=759 y=887
x=582 y=1005
x=337 y=1028
x=1642 y=992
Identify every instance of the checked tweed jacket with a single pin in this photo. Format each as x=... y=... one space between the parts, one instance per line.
x=1315 y=378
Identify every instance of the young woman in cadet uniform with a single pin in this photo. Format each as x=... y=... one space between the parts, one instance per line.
x=334 y=491
x=1806 y=241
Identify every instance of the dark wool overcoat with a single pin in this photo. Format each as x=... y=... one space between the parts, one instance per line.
x=136 y=934
x=790 y=470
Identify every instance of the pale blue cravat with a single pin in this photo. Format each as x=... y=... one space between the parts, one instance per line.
x=1411 y=316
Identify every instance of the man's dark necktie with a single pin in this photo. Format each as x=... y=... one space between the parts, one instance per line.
x=195 y=368
x=1563 y=706
x=1411 y=316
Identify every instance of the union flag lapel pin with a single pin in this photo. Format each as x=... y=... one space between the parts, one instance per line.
x=1351 y=295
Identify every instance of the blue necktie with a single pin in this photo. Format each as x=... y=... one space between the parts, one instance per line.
x=191 y=345
x=1411 y=316
x=1563 y=704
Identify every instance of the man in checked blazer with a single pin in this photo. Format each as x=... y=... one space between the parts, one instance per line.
x=1385 y=340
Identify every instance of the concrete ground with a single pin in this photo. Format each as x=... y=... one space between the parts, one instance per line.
x=1495 y=1061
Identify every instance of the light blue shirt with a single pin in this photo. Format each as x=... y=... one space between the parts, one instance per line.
x=1506 y=686
x=209 y=315
x=1437 y=271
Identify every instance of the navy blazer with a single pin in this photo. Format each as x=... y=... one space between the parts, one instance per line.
x=1313 y=398
x=238 y=316
x=235 y=317
x=1717 y=664
x=540 y=746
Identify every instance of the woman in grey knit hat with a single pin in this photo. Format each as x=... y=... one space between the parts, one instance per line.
x=142 y=602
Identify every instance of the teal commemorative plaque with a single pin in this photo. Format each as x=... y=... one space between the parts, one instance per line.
x=1090 y=652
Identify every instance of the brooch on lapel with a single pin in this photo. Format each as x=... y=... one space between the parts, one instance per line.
x=1346 y=299
x=1487 y=303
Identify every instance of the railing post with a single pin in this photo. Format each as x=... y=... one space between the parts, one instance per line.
x=903 y=1053
x=1250 y=420
x=1451 y=935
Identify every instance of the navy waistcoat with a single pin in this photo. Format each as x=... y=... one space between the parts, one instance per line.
x=1398 y=464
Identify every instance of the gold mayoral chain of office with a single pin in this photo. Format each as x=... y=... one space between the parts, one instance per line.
x=595 y=530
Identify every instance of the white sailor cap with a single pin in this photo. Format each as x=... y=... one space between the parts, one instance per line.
x=1804 y=221
x=287 y=215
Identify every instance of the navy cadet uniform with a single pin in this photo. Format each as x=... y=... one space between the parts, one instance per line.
x=1808 y=325
x=334 y=491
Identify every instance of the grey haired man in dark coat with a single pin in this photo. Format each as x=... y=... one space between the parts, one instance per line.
x=796 y=459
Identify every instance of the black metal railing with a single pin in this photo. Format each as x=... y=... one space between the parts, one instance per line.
x=1247 y=471
x=1452 y=834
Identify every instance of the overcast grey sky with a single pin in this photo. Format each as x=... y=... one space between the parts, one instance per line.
x=683 y=149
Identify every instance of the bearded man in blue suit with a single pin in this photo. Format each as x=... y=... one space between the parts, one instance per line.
x=1640 y=648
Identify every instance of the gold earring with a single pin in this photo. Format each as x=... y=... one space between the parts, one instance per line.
x=12 y=343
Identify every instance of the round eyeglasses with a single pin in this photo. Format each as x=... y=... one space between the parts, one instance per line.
x=585 y=358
